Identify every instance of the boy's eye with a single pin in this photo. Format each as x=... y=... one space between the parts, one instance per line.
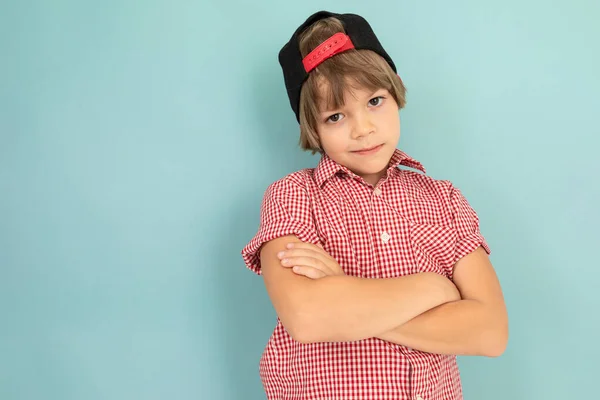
x=334 y=118
x=376 y=100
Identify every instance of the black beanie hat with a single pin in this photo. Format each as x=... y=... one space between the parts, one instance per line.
x=295 y=70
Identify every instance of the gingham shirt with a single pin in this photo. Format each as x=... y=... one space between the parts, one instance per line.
x=409 y=223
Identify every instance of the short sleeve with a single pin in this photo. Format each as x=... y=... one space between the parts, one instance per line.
x=466 y=223
x=285 y=210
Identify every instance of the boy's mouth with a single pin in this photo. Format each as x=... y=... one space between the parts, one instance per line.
x=368 y=150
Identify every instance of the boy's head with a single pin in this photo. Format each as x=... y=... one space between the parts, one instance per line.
x=350 y=100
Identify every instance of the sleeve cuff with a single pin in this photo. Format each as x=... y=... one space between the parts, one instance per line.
x=274 y=230
x=469 y=244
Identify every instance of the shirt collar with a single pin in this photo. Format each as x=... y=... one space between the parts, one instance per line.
x=328 y=168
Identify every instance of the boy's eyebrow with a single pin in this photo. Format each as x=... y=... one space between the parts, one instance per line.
x=326 y=111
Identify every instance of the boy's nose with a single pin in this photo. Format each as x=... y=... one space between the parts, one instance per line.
x=362 y=126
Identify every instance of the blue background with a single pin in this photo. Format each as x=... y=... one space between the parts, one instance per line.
x=137 y=139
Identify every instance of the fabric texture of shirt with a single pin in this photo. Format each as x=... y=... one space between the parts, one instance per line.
x=409 y=223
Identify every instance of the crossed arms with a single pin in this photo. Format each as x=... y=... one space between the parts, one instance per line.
x=425 y=311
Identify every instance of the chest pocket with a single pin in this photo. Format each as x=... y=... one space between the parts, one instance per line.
x=433 y=247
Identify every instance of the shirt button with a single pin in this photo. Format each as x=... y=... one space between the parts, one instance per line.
x=377 y=191
x=385 y=237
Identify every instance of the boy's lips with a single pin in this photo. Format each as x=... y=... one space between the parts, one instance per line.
x=368 y=150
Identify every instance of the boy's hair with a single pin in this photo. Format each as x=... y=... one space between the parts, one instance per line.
x=349 y=70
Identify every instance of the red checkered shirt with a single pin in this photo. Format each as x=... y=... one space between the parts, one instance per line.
x=409 y=223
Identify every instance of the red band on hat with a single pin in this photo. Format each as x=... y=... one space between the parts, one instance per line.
x=332 y=46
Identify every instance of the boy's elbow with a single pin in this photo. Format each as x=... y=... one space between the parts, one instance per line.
x=494 y=348
x=307 y=321
x=302 y=324
x=314 y=332
x=304 y=336
x=495 y=341
x=304 y=330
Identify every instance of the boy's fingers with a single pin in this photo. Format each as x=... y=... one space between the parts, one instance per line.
x=309 y=246
x=304 y=252
x=309 y=272
x=307 y=262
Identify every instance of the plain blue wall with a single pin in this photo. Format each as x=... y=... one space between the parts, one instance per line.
x=137 y=139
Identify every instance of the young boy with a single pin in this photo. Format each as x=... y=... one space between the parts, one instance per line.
x=379 y=275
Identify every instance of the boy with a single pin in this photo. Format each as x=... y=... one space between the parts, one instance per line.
x=379 y=275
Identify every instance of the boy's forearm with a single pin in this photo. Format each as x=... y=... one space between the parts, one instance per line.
x=345 y=308
x=463 y=327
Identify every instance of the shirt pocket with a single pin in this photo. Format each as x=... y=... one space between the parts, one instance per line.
x=433 y=247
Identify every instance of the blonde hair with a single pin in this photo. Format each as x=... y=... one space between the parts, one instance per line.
x=349 y=70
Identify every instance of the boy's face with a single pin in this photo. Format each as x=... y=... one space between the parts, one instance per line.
x=368 y=121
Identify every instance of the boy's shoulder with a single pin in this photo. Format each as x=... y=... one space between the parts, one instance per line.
x=302 y=179
x=424 y=182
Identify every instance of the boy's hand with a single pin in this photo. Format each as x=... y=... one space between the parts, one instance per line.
x=309 y=260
